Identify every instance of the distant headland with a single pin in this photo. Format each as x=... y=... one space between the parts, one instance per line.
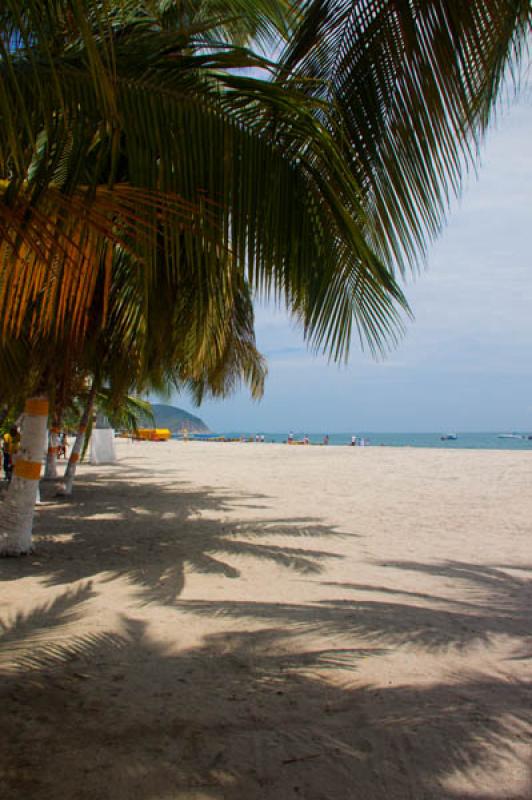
x=176 y=419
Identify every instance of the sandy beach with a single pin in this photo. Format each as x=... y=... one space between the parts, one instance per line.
x=262 y=622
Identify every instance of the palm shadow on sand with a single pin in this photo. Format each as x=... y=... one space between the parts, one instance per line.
x=247 y=715
x=244 y=716
x=500 y=604
x=149 y=532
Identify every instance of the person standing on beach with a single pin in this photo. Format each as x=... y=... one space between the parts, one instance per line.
x=10 y=445
x=6 y=455
x=290 y=437
x=62 y=445
x=326 y=439
x=353 y=441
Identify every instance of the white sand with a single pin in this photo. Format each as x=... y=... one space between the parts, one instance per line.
x=246 y=621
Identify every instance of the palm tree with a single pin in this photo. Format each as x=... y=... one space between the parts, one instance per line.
x=125 y=413
x=145 y=346
x=163 y=351
x=136 y=346
x=137 y=127
x=122 y=131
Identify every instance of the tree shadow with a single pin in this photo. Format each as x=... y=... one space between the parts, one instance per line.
x=491 y=583
x=149 y=533
x=501 y=606
x=244 y=716
x=20 y=628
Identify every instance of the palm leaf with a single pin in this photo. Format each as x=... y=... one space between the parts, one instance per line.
x=255 y=156
x=414 y=83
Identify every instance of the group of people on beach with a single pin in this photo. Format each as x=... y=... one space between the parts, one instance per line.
x=292 y=440
x=356 y=441
x=11 y=447
x=305 y=439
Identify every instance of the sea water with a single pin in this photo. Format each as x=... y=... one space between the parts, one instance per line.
x=464 y=441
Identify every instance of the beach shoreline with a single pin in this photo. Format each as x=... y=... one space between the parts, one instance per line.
x=463 y=441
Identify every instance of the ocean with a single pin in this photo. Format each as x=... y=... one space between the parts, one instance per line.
x=464 y=441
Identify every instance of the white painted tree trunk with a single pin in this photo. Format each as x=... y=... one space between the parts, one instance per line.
x=50 y=469
x=16 y=519
x=70 y=472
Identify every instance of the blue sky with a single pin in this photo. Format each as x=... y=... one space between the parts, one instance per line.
x=465 y=362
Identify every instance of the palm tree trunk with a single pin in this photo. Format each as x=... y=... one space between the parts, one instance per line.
x=50 y=469
x=66 y=488
x=16 y=520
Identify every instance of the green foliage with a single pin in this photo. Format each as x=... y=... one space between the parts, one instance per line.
x=124 y=126
x=157 y=171
x=127 y=415
x=413 y=84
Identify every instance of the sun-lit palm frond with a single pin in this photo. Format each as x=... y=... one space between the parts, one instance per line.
x=414 y=83
x=53 y=250
x=194 y=338
x=173 y=119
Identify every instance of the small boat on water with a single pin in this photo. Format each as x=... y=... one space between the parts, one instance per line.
x=449 y=437
x=153 y=434
x=509 y=436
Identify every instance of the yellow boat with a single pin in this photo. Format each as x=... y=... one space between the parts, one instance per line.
x=153 y=434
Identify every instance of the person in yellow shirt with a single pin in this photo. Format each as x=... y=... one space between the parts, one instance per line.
x=10 y=446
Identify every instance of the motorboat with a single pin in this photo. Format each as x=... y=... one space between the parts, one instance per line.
x=449 y=437
x=509 y=436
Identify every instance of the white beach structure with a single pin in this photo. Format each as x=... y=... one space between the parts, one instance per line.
x=103 y=450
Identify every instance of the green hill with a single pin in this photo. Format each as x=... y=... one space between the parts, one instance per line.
x=176 y=419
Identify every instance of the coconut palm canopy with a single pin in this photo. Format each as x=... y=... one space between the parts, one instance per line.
x=132 y=346
x=130 y=126
x=135 y=126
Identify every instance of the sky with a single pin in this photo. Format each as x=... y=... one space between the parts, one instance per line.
x=464 y=363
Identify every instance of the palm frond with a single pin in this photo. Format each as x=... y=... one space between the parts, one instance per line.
x=414 y=83
x=231 y=21
x=128 y=413
x=52 y=251
x=252 y=155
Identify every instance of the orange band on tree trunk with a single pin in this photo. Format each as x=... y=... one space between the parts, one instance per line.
x=31 y=470
x=74 y=457
x=39 y=408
